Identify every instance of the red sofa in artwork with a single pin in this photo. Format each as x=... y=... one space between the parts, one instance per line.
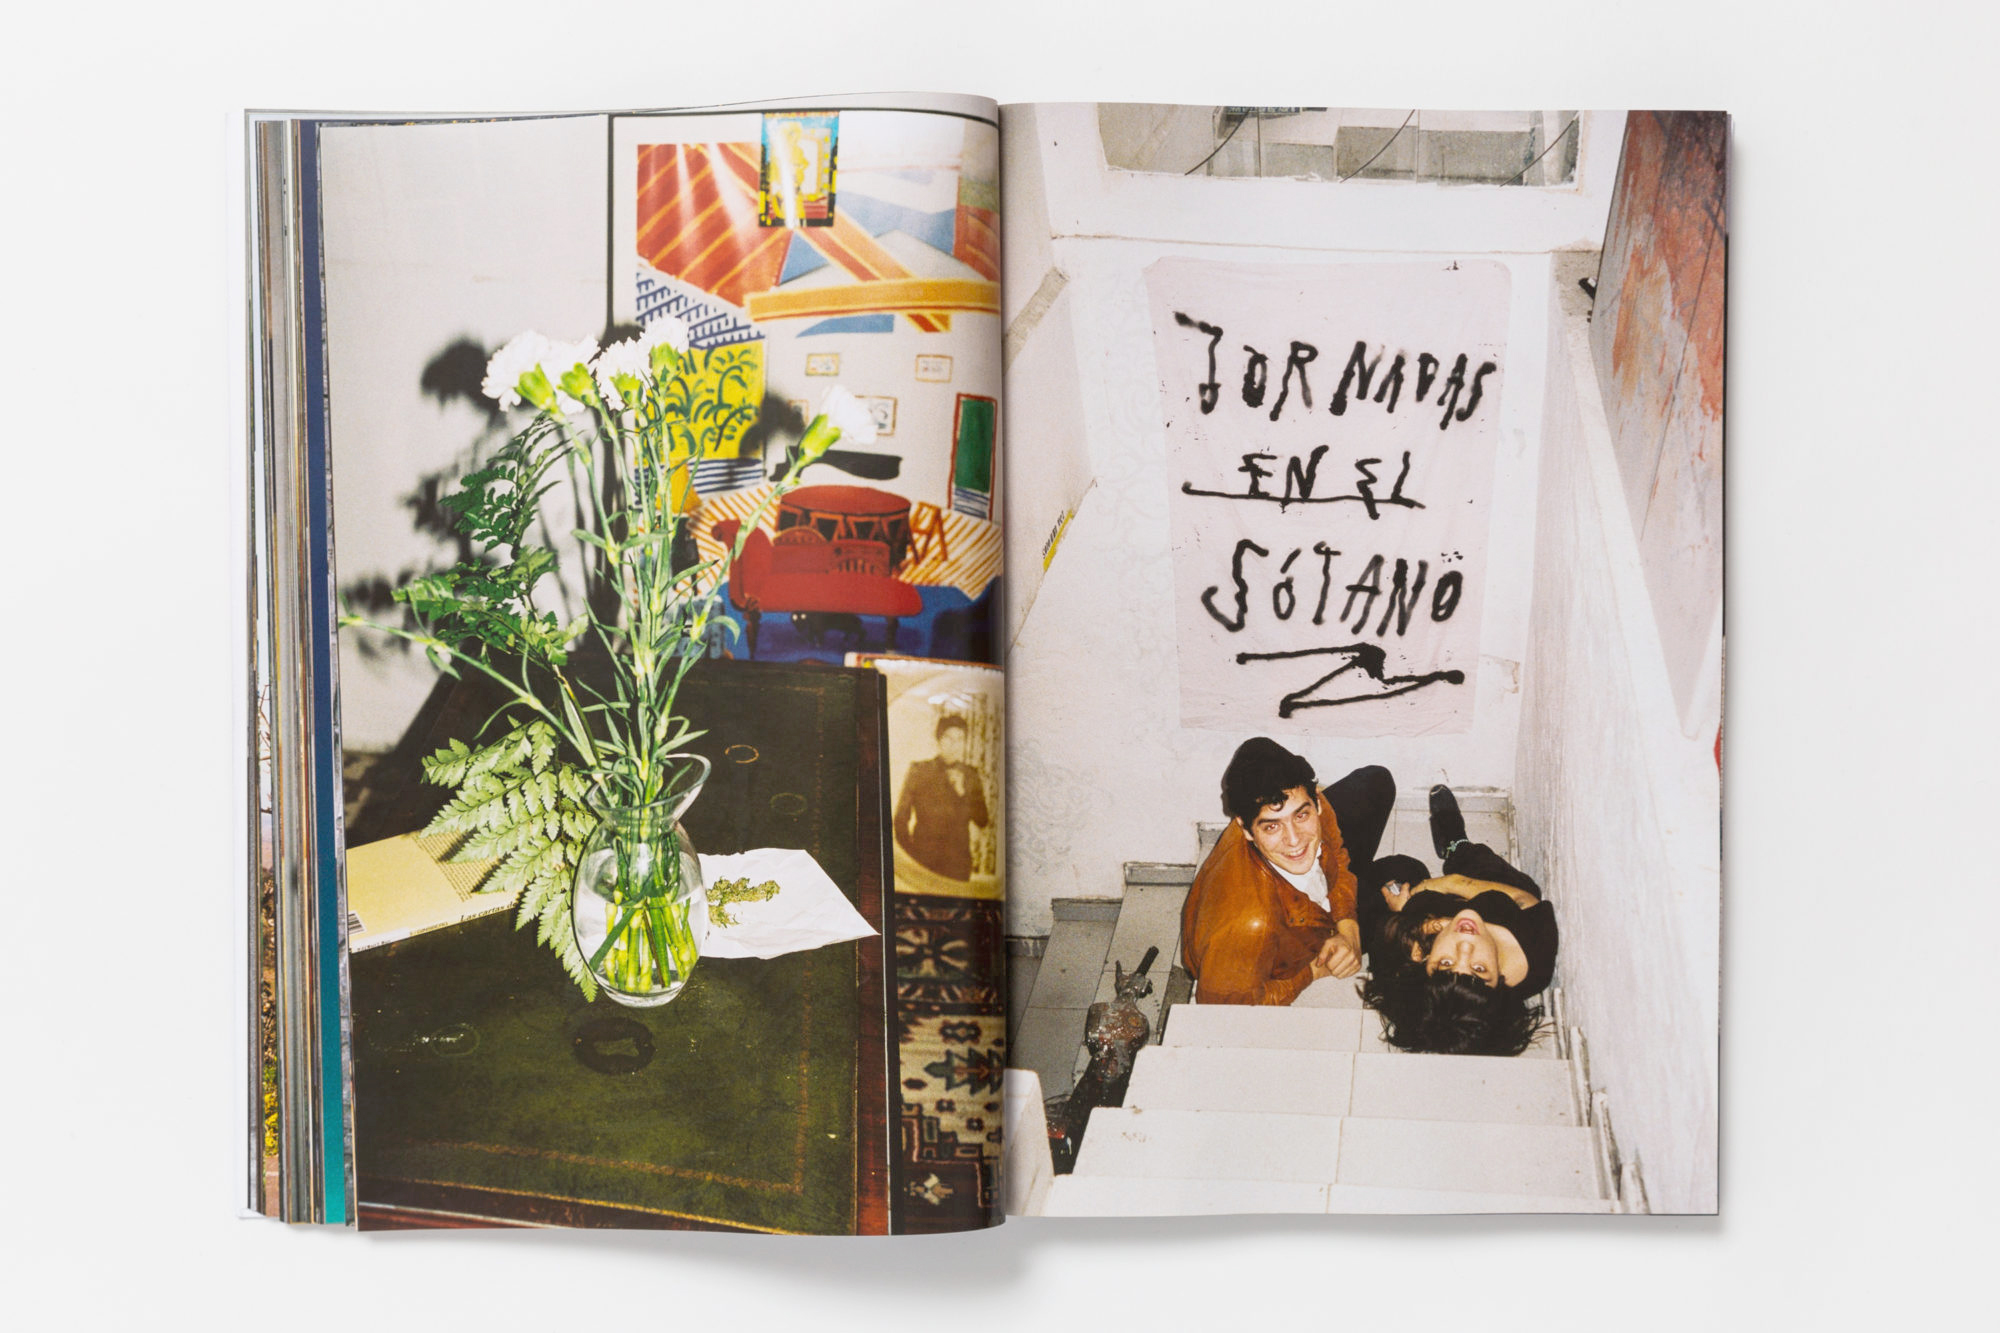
x=806 y=576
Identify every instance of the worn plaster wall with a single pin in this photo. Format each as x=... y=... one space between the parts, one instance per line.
x=1658 y=344
x=1617 y=811
x=1101 y=772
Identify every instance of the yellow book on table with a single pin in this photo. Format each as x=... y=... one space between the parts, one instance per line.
x=404 y=886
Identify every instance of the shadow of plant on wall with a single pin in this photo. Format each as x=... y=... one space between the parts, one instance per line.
x=450 y=377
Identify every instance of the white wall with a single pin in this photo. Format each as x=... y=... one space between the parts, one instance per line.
x=1102 y=773
x=1617 y=812
x=435 y=233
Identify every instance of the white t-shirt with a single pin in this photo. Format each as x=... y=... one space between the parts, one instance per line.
x=1312 y=883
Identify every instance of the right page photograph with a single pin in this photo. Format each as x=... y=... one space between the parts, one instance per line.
x=1364 y=658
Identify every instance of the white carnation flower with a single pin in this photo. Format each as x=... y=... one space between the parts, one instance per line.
x=559 y=360
x=629 y=357
x=504 y=371
x=844 y=412
x=665 y=329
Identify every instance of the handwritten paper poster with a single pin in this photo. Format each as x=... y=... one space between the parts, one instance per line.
x=1330 y=440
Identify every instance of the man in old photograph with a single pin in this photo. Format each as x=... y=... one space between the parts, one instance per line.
x=942 y=801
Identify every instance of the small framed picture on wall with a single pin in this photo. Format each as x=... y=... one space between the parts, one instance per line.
x=822 y=363
x=884 y=412
x=934 y=370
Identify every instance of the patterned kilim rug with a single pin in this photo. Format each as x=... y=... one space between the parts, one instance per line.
x=951 y=1037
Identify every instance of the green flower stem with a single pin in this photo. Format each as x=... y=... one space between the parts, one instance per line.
x=654 y=618
x=671 y=963
x=616 y=923
x=581 y=740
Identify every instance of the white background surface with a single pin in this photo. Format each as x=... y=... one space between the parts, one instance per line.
x=1858 y=1147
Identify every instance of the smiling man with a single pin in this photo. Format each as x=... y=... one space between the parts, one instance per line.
x=1272 y=908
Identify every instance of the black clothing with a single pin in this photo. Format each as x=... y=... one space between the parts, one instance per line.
x=934 y=819
x=1533 y=928
x=1361 y=803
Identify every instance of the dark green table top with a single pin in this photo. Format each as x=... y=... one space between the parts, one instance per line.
x=486 y=1086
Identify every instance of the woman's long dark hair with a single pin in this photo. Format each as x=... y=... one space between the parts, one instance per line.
x=1441 y=1013
x=1449 y=1013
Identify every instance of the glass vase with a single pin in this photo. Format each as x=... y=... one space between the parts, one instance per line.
x=638 y=902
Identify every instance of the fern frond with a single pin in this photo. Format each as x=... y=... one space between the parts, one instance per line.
x=553 y=916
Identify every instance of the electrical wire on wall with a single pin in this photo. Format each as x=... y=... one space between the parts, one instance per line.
x=1546 y=151
x=1218 y=148
x=1379 y=151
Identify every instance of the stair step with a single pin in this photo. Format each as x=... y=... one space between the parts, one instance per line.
x=1458 y=1088
x=1111 y=1196
x=1114 y=1196
x=1301 y=1028
x=1214 y=1145
x=1330 y=993
x=1489 y=818
x=1159 y=872
x=1544 y=1160
x=1083 y=909
x=1150 y=917
x=1047 y=1042
x=1487 y=1088
x=1268 y=1027
x=1026 y=1166
x=1067 y=978
x=1221 y=1078
x=1484 y=1158
x=1050 y=1037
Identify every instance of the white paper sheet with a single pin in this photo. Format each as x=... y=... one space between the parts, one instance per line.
x=808 y=911
x=1331 y=432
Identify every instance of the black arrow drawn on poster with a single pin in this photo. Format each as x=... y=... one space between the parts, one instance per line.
x=1366 y=658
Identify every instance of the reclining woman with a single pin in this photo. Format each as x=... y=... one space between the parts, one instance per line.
x=1456 y=958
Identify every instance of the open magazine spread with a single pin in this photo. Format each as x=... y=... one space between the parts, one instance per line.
x=666 y=821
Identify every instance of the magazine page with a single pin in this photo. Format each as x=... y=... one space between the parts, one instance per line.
x=1365 y=658
x=298 y=1102
x=665 y=461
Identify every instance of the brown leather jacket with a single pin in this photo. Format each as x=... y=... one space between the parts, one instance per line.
x=1248 y=936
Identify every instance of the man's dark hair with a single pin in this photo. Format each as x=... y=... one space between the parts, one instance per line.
x=1259 y=774
x=947 y=722
x=1449 y=1013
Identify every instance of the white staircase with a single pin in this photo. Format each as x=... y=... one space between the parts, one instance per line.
x=1302 y=1108
x=1246 y=1109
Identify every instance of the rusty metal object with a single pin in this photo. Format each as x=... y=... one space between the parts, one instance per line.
x=1113 y=1032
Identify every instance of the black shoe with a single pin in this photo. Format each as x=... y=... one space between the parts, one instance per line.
x=1447 y=824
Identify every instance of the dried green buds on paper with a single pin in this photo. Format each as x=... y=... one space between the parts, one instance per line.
x=726 y=891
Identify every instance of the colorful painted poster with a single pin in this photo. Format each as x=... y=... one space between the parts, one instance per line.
x=1330 y=437
x=893 y=297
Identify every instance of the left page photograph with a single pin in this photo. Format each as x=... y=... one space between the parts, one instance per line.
x=664 y=546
